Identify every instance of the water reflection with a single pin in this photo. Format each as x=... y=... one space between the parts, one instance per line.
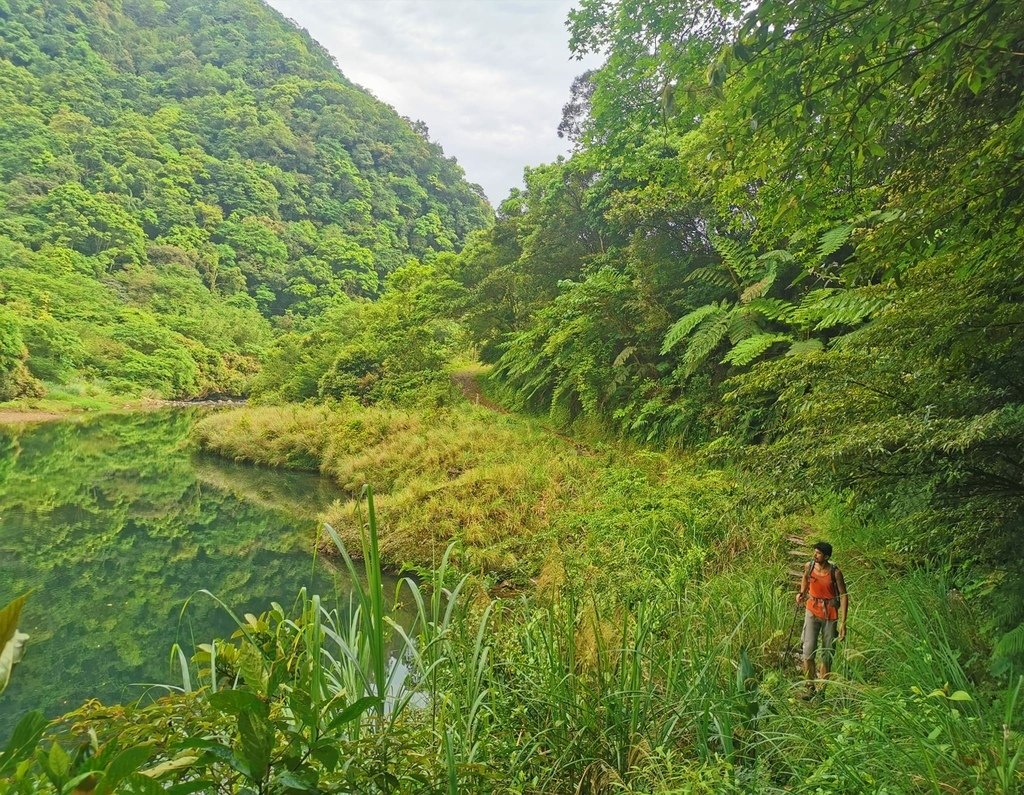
x=113 y=524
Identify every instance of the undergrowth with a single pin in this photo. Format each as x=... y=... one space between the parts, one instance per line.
x=690 y=689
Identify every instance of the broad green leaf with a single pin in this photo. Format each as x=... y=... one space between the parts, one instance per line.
x=257 y=740
x=23 y=741
x=123 y=765
x=353 y=711
x=12 y=642
x=171 y=765
x=59 y=761
x=238 y=703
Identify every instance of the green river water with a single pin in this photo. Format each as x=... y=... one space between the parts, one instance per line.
x=113 y=524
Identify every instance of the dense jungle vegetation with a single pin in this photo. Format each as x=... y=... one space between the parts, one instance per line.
x=774 y=290
x=177 y=178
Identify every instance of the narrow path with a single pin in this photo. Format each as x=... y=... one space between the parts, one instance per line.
x=466 y=381
x=798 y=557
x=470 y=388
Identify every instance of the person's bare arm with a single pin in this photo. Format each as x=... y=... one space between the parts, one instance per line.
x=803 y=584
x=844 y=603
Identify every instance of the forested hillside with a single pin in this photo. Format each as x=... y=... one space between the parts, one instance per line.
x=794 y=233
x=177 y=177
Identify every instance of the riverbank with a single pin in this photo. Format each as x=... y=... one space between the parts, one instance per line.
x=16 y=416
x=517 y=501
x=30 y=411
x=649 y=647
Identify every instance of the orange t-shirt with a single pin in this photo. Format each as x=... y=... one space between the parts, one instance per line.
x=820 y=594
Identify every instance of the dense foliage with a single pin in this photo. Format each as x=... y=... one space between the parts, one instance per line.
x=794 y=229
x=173 y=174
x=672 y=692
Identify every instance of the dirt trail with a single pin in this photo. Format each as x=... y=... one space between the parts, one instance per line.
x=470 y=388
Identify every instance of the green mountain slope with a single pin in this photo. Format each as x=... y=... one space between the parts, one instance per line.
x=174 y=174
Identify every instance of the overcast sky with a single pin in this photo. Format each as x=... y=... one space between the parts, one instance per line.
x=489 y=77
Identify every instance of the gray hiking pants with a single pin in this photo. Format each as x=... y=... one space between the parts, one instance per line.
x=813 y=626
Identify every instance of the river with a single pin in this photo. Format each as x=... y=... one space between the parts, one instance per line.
x=113 y=524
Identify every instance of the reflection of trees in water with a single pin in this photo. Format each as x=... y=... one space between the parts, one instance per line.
x=296 y=493
x=109 y=524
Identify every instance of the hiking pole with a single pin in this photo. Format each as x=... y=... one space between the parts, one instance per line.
x=789 y=641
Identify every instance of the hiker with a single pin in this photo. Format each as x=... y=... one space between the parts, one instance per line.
x=824 y=591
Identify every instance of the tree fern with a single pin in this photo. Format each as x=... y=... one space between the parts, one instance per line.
x=709 y=335
x=742 y=324
x=760 y=287
x=772 y=308
x=828 y=307
x=687 y=323
x=803 y=347
x=713 y=277
x=751 y=348
x=736 y=256
x=833 y=240
x=624 y=354
x=1009 y=648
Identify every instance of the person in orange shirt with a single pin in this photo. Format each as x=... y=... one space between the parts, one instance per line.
x=823 y=590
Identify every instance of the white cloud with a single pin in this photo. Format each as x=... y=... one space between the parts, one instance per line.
x=489 y=77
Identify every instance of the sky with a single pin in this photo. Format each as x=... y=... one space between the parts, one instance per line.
x=488 y=77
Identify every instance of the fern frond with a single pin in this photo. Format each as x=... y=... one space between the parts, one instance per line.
x=687 y=323
x=803 y=347
x=828 y=308
x=848 y=309
x=1011 y=643
x=624 y=354
x=833 y=240
x=772 y=308
x=713 y=277
x=759 y=288
x=752 y=348
x=737 y=257
x=708 y=337
x=778 y=256
x=742 y=324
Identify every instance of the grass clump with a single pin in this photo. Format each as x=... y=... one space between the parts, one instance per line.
x=290 y=437
x=493 y=484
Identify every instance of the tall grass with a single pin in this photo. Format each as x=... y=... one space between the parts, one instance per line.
x=656 y=653
x=578 y=691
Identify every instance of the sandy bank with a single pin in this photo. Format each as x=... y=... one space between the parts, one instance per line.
x=25 y=416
